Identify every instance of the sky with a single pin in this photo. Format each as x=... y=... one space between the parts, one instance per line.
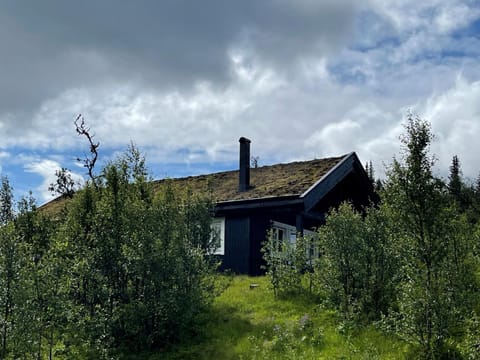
x=184 y=80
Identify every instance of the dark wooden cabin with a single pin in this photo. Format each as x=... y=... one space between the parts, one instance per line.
x=292 y=198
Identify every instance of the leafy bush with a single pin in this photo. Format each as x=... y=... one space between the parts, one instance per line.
x=139 y=279
x=411 y=261
x=286 y=263
x=119 y=268
x=470 y=347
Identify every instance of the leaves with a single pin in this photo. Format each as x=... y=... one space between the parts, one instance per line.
x=120 y=268
x=410 y=261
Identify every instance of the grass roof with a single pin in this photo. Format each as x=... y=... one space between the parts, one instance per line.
x=267 y=181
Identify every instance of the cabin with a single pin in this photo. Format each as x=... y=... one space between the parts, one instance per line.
x=290 y=198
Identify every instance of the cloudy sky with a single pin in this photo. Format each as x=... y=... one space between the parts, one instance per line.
x=184 y=80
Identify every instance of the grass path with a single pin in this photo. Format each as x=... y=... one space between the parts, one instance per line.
x=249 y=323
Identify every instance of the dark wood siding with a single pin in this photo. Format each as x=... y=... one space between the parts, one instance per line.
x=260 y=224
x=237 y=244
x=349 y=189
x=248 y=221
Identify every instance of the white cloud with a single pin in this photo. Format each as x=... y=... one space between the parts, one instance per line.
x=288 y=116
x=301 y=79
x=3 y=155
x=366 y=129
x=46 y=168
x=438 y=16
x=455 y=118
x=454 y=16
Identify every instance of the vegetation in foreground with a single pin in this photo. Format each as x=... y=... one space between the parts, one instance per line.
x=124 y=273
x=248 y=322
x=407 y=263
x=119 y=269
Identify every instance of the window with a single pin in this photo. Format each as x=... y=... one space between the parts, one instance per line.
x=218 y=235
x=284 y=232
x=278 y=233
x=287 y=232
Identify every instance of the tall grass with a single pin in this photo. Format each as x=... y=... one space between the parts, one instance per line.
x=249 y=323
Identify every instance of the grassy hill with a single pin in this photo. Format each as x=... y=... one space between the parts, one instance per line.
x=249 y=323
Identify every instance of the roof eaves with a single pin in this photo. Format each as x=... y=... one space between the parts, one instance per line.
x=259 y=202
x=264 y=198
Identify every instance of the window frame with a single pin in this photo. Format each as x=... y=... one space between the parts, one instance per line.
x=218 y=223
x=290 y=234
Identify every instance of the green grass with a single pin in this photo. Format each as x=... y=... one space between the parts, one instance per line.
x=250 y=323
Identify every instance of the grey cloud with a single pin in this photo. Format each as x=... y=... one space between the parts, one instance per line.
x=160 y=74
x=49 y=46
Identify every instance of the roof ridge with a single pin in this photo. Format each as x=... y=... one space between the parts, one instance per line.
x=252 y=168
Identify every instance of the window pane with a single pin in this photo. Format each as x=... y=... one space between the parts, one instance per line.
x=218 y=236
x=293 y=237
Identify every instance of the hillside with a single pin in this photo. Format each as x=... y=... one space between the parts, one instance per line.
x=248 y=323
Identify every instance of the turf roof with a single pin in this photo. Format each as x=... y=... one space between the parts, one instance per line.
x=267 y=181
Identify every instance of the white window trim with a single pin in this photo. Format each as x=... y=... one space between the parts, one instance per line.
x=215 y=222
x=290 y=228
x=291 y=234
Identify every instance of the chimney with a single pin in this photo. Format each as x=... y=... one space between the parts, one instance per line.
x=244 y=176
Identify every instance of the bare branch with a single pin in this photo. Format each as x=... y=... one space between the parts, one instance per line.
x=88 y=162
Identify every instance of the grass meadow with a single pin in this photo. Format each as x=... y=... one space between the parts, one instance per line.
x=249 y=323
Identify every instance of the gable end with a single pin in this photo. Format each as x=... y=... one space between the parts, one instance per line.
x=326 y=184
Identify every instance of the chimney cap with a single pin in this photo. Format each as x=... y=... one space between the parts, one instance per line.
x=244 y=140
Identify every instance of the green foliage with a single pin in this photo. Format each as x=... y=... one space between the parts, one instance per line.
x=470 y=347
x=64 y=184
x=9 y=263
x=410 y=261
x=138 y=278
x=381 y=263
x=6 y=201
x=370 y=172
x=434 y=246
x=465 y=196
x=9 y=266
x=278 y=256
x=340 y=268
x=356 y=268
x=454 y=179
x=286 y=263
x=32 y=284
x=118 y=270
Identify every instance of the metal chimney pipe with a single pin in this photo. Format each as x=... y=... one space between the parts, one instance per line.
x=244 y=174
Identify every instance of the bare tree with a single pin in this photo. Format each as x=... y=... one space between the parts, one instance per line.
x=88 y=162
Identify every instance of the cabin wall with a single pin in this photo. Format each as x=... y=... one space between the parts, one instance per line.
x=245 y=233
x=260 y=224
x=259 y=231
x=237 y=244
